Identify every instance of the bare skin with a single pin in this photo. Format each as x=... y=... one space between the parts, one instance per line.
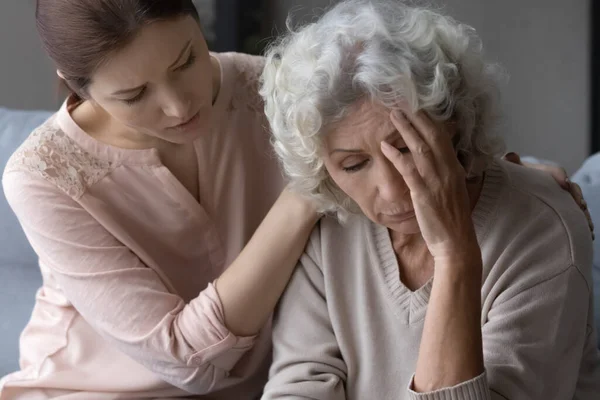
x=451 y=345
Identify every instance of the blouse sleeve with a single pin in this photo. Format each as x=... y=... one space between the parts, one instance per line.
x=126 y=302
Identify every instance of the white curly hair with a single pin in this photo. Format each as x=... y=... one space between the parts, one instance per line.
x=385 y=51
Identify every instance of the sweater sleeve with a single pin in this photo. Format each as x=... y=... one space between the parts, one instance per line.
x=126 y=302
x=307 y=363
x=533 y=344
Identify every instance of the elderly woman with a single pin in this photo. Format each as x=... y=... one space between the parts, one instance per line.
x=441 y=272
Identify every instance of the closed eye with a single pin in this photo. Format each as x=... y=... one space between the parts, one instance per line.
x=356 y=167
x=190 y=61
x=136 y=98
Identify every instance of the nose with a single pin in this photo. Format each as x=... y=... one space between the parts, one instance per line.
x=176 y=104
x=390 y=184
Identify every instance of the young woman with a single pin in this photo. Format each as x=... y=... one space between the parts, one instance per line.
x=137 y=195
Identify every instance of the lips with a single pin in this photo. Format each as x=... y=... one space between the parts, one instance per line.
x=396 y=211
x=399 y=216
x=189 y=122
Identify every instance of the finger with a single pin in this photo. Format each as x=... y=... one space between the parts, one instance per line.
x=576 y=193
x=405 y=167
x=439 y=140
x=422 y=154
x=589 y=218
x=513 y=158
x=559 y=174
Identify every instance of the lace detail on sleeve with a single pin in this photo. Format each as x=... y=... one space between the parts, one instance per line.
x=49 y=152
x=247 y=82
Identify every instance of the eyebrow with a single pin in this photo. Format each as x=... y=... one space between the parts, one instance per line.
x=135 y=89
x=388 y=137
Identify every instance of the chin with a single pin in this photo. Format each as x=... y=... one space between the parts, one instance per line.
x=200 y=126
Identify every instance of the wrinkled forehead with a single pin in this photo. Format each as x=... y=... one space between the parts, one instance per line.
x=364 y=120
x=149 y=54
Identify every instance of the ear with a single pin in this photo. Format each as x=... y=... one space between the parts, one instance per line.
x=60 y=75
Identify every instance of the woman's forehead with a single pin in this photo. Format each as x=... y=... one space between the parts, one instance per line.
x=364 y=118
x=152 y=50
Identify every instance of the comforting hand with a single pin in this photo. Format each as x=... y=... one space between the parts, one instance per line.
x=560 y=176
x=437 y=185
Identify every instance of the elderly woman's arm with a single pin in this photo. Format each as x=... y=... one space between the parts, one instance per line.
x=451 y=349
x=527 y=331
x=307 y=362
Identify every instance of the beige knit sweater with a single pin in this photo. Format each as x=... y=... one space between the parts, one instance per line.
x=347 y=328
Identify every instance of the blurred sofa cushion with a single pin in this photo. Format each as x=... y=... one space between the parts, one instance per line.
x=15 y=126
x=588 y=177
x=19 y=274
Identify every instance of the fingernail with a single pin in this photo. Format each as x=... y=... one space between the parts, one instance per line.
x=512 y=157
x=568 y=183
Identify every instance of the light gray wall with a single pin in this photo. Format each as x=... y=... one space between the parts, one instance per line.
x=27 y=79
x=544 y=46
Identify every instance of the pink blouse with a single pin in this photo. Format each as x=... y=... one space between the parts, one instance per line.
x=128 y=257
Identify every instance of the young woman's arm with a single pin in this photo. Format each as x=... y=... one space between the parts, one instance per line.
x=189 y=344
x=251 y=286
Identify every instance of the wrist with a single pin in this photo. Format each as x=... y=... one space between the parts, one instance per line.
x=298 y=207
x=464 y=260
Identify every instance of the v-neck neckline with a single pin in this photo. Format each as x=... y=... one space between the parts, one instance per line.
x=408 y=305
x=411 y=306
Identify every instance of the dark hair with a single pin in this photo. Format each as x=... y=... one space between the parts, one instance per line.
x=79 y=35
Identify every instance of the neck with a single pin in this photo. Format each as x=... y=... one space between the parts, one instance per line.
x=105 y=128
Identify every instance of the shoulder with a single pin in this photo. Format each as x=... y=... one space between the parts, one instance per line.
x=539 y=222
x=51 y=155
x=335 y=243
x=243 y=72
x=247 y=67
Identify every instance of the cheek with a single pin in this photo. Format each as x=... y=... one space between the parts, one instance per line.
x=358 y=187
x=142 y=116
x=198 y=81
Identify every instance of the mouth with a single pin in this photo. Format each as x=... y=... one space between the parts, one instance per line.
x=188 y=124
x=399 y=216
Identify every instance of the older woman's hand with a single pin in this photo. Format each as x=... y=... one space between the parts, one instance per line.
x=437 y=185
